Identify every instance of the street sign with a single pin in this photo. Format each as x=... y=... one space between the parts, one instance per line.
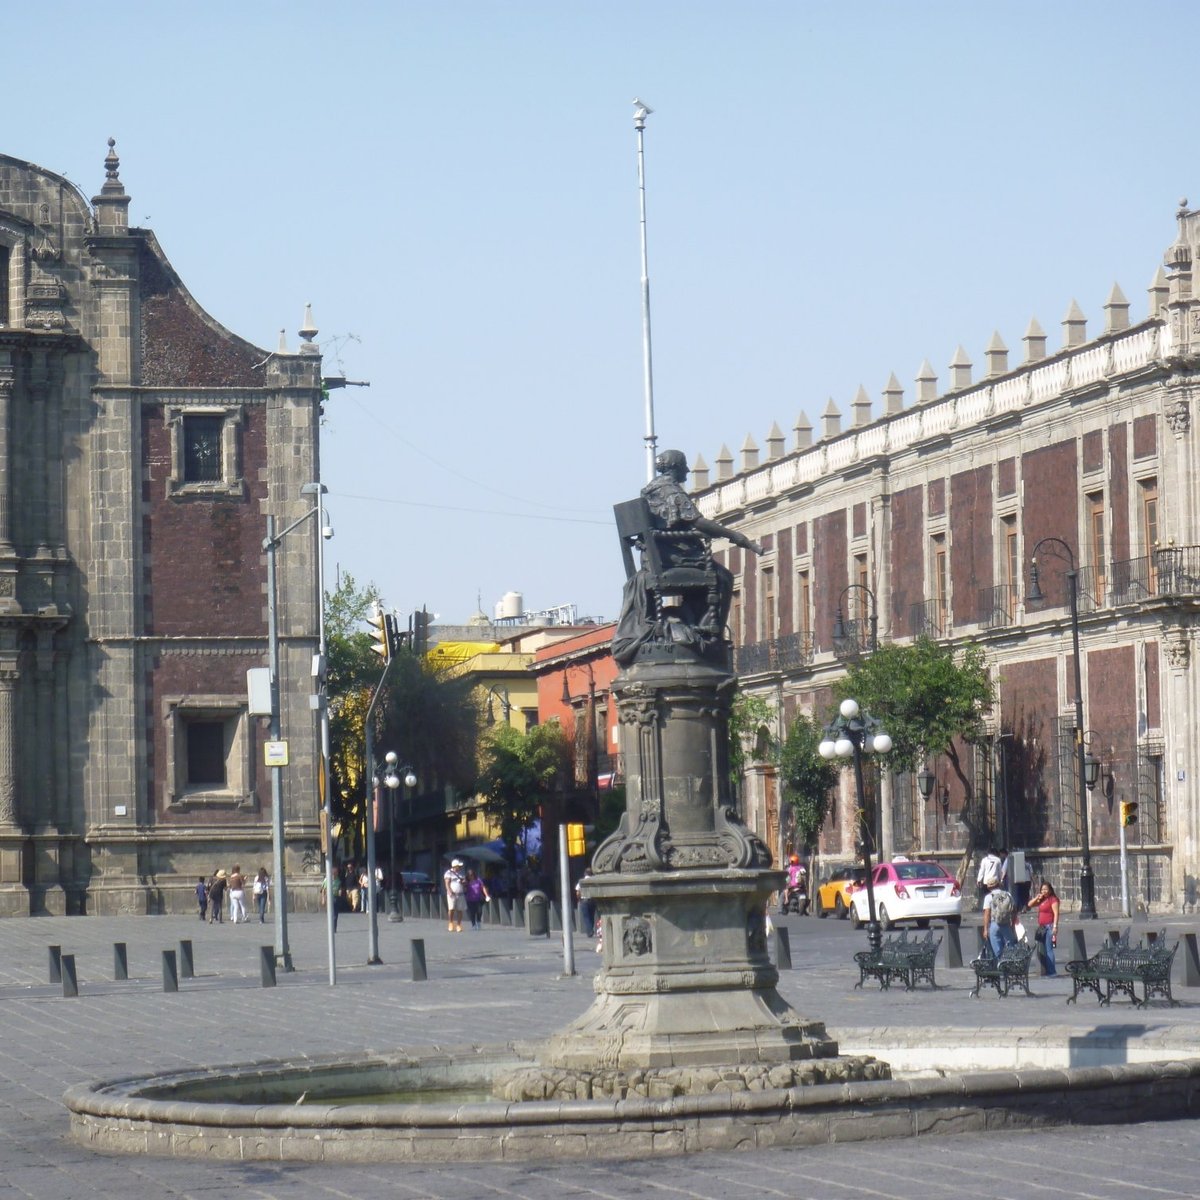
x=275 y=754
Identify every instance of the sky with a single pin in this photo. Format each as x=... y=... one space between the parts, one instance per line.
x=835 y=191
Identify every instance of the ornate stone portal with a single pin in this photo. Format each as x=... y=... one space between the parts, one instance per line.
x=686 y=995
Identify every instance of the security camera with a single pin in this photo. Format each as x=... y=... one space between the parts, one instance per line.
x=327 y=532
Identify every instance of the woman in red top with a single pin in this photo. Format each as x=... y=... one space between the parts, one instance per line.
x=1046 y=903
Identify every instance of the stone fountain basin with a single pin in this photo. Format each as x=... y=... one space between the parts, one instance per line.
x=251 y=1112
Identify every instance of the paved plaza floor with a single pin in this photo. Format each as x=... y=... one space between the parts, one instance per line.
x=495 y=986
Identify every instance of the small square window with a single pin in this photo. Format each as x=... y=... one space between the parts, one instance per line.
x=202 y=449
x=208 y=746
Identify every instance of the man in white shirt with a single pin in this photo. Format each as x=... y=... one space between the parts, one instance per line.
x=991 y=870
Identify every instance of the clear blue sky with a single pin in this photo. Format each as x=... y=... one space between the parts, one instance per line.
x=836 y=191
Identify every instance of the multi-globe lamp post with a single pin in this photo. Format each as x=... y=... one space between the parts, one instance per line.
x=392 y=780
x=851 y=735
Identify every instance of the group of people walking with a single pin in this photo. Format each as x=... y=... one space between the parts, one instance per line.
x=465 y=893
x=1001 y=908
x=221 y=888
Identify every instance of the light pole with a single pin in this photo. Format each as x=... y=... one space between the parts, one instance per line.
x=839 y=624
x=392 y=781
x=505 y=706
x=851 y=735
x=1060 y=549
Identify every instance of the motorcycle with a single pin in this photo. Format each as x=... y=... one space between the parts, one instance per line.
x=795 y=899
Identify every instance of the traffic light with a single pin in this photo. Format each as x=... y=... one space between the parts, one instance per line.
x=576 y=842
x=420 y=637
x=1129 y=812
x=383 y=633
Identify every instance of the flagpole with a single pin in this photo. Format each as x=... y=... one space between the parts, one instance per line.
x=641 y=112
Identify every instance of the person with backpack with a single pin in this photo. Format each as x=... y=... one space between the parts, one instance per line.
x=998 y=910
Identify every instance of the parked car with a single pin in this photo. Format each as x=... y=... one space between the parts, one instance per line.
x=833 y=896
x=907 y=890
x=418 y=881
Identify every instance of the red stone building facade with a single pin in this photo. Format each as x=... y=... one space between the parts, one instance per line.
x=923 y=520
x=142 y=447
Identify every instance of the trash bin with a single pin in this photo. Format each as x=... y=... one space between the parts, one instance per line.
x=537 y=914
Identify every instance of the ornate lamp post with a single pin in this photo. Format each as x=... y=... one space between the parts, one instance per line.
x=853 y=734
x=840 y=633
x=1060 y=549
x=392 y=781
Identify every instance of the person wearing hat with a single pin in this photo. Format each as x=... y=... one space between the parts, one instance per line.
x=456 y=895
x=216 y=898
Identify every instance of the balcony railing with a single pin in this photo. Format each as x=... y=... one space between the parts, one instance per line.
x=929 y=619
x=1133 y=580
x=1176 y=571
x=998 y=606
x=792 y=652
x=855 y=639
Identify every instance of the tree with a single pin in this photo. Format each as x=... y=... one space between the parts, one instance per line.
x=518 y=771
x=751 y=719
x=929 y=701
x=807 y=779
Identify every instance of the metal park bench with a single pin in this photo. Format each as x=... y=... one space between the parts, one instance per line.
x=909 y=960
x=1118 y=968
x=1011 y=968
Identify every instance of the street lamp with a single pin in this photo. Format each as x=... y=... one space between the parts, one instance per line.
x=505 y=706
x=1059 y=549
x=392 y=781
x=841 y=633
x=853 y=734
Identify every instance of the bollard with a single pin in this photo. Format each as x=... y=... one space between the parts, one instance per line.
x=170 y=972
x=55 y=964
x=493 y=911
x=266 y=965
x=187 y=963
x=70 y=981
x=1078 y=946
x=1151 y=937
x=1191 y=961
x=418 y=960
x=953 y=947
x=783 y=949
x=120 y=961
x=983 y=941
x=506 y=911
x=555 y=917
x=1114 y=936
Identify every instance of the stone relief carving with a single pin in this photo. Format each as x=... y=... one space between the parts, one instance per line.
x=1179 y=653
x=1179 y=417
x=636 y=939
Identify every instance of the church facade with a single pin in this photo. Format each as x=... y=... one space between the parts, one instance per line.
x=142 y=447
x=925 y=520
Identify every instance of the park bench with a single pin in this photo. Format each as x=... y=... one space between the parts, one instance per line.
x=909 y=960
x=1012 y=967
x=1118 y=968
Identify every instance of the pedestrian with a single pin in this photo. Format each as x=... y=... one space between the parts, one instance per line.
x=1046 y=938
x=350 y=886
x=216 y=897
x=237 y=896
x=456 y=895
x=988 y=875
x=262 y=888
x=587 y=906
x=476 y=893
x=202 y=896
x=998 y=910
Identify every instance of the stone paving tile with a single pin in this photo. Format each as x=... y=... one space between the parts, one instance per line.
x=496 y=986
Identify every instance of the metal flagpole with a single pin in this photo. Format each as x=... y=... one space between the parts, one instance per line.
x=641 y=112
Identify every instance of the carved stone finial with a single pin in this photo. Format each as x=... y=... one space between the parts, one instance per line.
x=112 y=170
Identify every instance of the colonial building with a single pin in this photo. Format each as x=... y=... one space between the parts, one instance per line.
x=142 y=447
x=925 y=519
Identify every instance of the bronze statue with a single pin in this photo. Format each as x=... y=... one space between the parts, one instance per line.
x=679 y=595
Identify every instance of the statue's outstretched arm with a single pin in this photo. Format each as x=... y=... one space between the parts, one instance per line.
x=714 y=529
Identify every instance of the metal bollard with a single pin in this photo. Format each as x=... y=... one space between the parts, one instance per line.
x=1151 y=937
x=954 y=956
x=55 y=964
x=783 y=949
x=1191 y=961
x=266 y=965
x=70 y=981
x=1078 y=946
x=170 y=972
x=1114 y=936
x=418 y=960
x=187 y=963
x=506 y=911
x=120 y=961
x=983 y=941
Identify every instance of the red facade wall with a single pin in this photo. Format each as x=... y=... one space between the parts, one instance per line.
x=1051 y=477
x=937 y=497
x=203 y=568
x=907 y=565
x=1112 y=723
x=1153 y=687
x=1118 y=483
x=783 y=581
x=1093 y=450
x=829 y=572
x=970 y=541
x=1145 y=437
x=1006 y=476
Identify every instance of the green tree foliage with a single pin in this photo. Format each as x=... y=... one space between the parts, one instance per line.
x=807 y=778
x=930 y=701
x=519 y=771
x=751 y=736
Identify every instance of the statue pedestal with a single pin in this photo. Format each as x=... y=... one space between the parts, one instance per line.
x=686 y=979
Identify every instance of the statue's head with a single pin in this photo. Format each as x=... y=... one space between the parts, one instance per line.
x=674 y=463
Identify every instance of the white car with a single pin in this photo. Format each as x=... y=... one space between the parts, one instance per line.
x=907 y=890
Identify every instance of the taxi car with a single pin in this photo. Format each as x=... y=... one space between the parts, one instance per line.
x=909 y=890
x=833 y=896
